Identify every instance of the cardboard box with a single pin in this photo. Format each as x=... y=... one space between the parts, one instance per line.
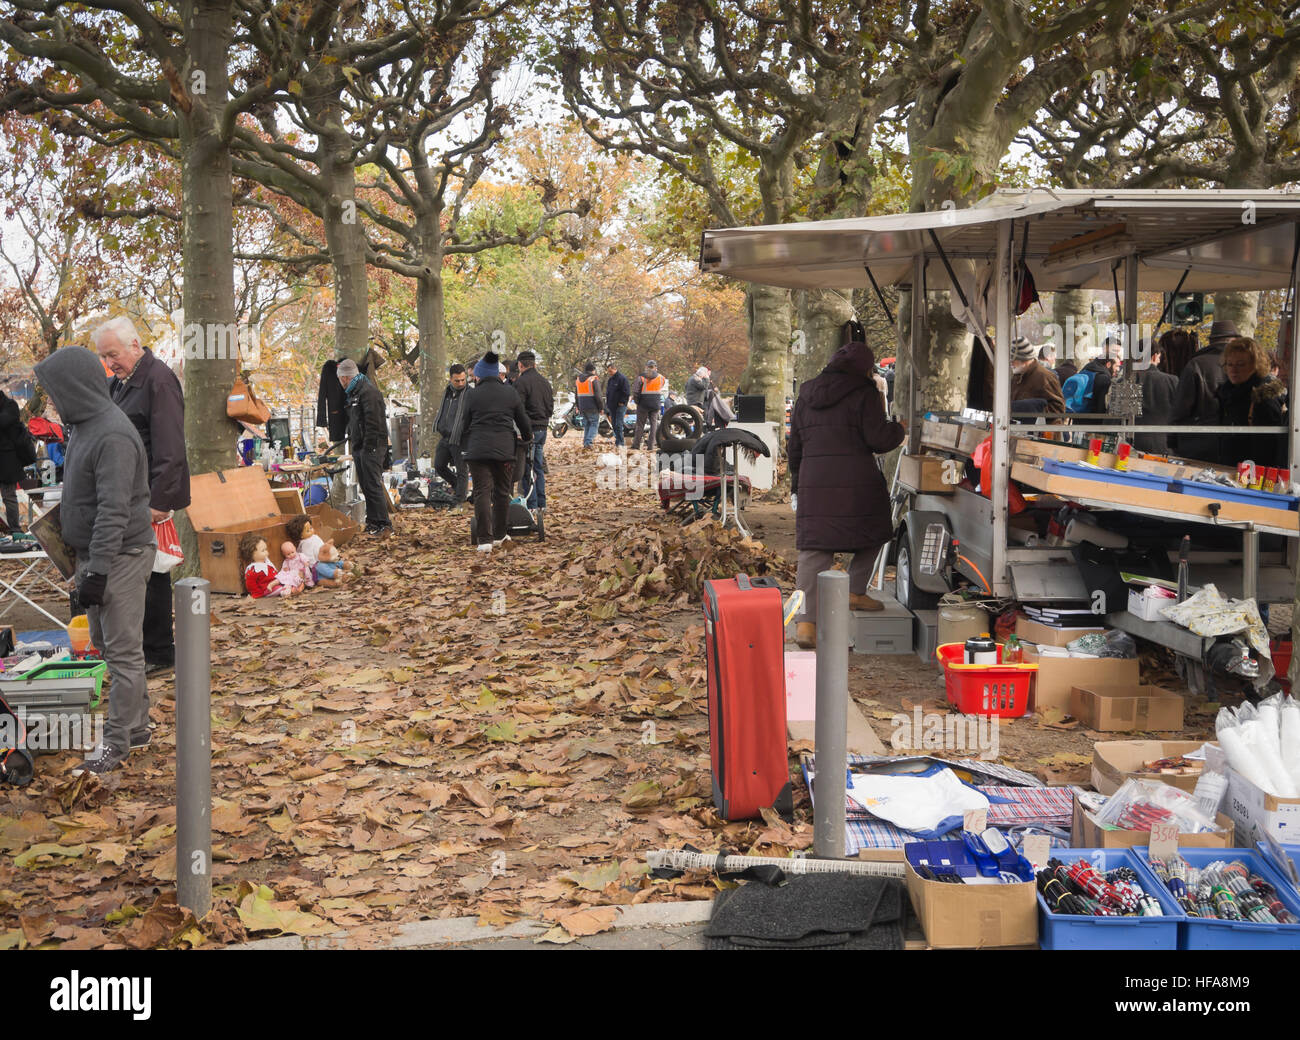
x=1033 y=632
x=1057 y=676
x=227 y=505
x=926 y=473
x=1114 y=761
x=974 y=917
x=1124 y=709
x=1256 y=812
x=1087 y=833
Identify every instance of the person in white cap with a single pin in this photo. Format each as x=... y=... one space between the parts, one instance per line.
x=697 y=387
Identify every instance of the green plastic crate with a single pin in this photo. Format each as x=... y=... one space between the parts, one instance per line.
x=72 y=669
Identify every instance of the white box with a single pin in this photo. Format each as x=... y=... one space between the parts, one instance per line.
x=760 y=471
x=1147 y=604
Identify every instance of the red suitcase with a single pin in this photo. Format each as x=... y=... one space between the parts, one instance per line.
x=745 y=643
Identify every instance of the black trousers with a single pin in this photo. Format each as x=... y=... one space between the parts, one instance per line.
x=159 y=640
x=370 y=468
x=492 y=483
x=449 y=463
x=9 y=492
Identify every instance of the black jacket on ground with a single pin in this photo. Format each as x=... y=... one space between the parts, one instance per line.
x=12 y=434
x=332 y=403
x=453 y=401
x=535 y=392
x=618 y=391
x=151 y=398
x=367 y=416
x=492 y=415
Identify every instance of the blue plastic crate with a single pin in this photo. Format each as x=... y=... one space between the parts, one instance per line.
x=1072 y=932
x=1197 y=933
x=943 y=857
x=1292 y=853
x=1127 y=477
x=1266 y=499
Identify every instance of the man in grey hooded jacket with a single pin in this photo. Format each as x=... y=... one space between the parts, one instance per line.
x=104 y=514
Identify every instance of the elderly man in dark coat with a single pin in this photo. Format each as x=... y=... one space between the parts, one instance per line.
x=1033 y=386
x=1197 y=402
x=837 y=427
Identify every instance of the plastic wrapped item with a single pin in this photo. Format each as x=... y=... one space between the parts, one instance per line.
x=1140 y=805
x=1111 y=643
x=1253 y=753
x=1210 y=789
x=1289 y=737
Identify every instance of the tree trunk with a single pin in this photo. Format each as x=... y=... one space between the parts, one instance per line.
x=345 y=238
x=1074 y=336
x=1239 y=307
x=429 y=310
x=944 y=370
x=207 y=246
x=768 y=312
x=821 y=314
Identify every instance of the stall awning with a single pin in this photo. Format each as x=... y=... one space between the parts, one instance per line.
x=1232 y=240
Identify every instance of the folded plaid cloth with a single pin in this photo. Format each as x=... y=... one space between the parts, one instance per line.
x=1022 y=806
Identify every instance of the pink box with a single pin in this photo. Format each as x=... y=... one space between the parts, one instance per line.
x=800 y=685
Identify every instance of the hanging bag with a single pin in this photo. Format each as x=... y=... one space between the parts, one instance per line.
x=169 y=552
x=243 y=405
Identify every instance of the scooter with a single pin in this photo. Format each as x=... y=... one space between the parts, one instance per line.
x=560 y=425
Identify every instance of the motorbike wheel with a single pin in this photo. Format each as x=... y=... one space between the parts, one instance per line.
x=559 y=429
x=606 y=428
x=681 y=426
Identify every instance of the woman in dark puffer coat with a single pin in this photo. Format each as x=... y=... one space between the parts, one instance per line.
x=837 y=428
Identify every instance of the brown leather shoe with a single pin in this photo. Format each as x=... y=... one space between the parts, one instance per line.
x=805 y=635
x=864 y=602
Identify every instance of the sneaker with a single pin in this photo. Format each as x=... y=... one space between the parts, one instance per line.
x=501 y=541
x=141 y=740
x=380 y=532
x=152 y=668
x=485 y=547
x=104 y=759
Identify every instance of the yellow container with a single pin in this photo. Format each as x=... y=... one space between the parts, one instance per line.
x=79 y=633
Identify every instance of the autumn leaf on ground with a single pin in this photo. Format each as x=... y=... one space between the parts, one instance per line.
x=259 y=912
x=643 y=795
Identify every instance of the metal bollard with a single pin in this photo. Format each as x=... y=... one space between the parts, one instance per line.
x=193 y=745
x=831 y=731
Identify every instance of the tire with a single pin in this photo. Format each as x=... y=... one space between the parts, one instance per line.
x=541 y=525
x=559 y=429
x=605 y=428
x=679 y=429
x=905 y=591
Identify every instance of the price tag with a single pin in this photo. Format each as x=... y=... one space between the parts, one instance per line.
x=975 y=820
x=1037 y=849
x=1164 y=840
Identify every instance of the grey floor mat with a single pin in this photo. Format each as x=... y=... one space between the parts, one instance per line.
x=814 y=911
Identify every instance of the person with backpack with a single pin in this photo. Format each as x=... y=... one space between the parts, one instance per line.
x=1086 y=390
x=17 y=449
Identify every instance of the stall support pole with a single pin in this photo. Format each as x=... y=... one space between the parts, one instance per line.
x=919 y=340
x=1249 y=563
x=831 y=729
x=193 y=745
x=1002 y=409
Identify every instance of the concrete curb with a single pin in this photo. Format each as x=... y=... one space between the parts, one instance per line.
x=456 y=931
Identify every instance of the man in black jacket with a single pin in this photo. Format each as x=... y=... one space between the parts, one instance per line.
x=539 y=402
x=618 y=391
x=150 y=395
x=368 y=433
x=15 y=447
x=449 y=460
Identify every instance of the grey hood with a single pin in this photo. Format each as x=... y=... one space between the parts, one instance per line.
x=74 y=378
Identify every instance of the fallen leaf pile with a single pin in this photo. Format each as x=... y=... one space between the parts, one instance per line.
x=503 y=735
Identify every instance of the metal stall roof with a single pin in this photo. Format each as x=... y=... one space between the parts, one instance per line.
x=1231 y=240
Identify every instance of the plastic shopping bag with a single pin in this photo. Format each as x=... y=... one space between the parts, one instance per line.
x=169 y=546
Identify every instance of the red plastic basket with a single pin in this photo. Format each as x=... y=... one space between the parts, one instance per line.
x=1281 y=654
x=985 y=689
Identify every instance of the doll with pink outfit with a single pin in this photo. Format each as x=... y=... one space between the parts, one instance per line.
x=295 y=572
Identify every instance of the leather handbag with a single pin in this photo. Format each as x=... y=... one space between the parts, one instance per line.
x=242 y=404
